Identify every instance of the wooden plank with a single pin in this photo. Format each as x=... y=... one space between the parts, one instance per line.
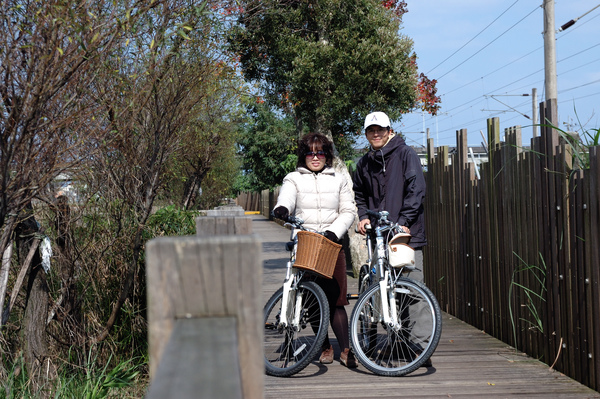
x=581 y=337
x=551 y=252
x=200 y=361
x=593 y=260
x=463 y=287
x=191 y=277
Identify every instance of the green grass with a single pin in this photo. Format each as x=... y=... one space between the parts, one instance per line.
x=94 y=381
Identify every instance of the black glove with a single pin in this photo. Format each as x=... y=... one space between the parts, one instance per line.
x=281 y=212
x=330 y=235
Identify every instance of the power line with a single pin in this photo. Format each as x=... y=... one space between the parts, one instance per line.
x=484 y=47
x=580 y=86
x=463 y=46
x=468 y=106
x=518 y=59
x=572 y=22
x=526 y=76
x=496 y=70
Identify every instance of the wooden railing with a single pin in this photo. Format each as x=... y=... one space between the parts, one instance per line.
x=516 y=252
x=204 y=312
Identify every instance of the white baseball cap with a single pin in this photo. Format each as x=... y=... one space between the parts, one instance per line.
x=377 y=118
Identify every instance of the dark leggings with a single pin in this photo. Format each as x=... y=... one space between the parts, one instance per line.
x=338 y=318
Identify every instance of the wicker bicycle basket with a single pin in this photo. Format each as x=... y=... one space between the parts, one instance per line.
x=316 y=253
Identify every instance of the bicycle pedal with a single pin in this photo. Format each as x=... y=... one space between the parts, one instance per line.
x=352 y=296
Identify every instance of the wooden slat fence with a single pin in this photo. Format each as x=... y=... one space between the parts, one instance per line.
x=516 y=252
x=262 y=201
x=250 y=201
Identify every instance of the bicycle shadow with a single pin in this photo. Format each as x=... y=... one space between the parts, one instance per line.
x=421 y=372
x=321 y=369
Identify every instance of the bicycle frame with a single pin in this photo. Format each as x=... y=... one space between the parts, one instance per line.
x=293 y=277
x=380 y=258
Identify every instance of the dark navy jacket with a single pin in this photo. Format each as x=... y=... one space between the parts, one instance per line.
x=391 y=179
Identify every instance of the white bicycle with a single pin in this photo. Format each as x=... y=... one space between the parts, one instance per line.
x=396 y=323
x=296 y=317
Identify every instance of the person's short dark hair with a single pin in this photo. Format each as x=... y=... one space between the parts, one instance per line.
x=316 y=142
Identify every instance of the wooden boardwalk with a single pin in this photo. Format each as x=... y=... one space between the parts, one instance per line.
x=468 y=363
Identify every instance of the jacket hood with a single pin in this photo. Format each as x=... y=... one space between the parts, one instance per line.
x=394 y=143
x=384 y=153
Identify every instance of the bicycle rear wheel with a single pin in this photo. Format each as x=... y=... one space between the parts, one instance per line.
x=365 y=278
x=289 y=349
x=395 y=352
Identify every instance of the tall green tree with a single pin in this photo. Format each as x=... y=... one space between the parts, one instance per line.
x=267 y=144
x=329 y=62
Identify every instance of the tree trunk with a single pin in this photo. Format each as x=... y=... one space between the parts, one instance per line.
x=69 y=308
x=191 y=187
x=5 y=243
x=356 y=250
x=36 y=304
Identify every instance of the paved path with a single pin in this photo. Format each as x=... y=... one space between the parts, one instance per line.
x=467 y=364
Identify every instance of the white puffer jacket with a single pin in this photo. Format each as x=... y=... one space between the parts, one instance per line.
x=324 y=200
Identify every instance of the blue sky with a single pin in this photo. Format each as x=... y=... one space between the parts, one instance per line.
x=479 y=49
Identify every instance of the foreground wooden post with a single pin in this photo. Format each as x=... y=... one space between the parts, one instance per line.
x=204 y=316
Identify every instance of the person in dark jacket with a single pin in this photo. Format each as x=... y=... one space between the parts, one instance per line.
x=390 y=178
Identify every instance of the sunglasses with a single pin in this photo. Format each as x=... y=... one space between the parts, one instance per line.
x=311 y=154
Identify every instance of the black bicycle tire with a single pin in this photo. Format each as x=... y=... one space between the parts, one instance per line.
x=427 y=352
x=315 y=345
x=365 y=280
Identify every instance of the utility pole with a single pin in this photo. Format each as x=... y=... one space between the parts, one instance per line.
x=549 y=50
x=534 y=111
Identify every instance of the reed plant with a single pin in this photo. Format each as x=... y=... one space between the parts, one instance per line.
x=528 y=297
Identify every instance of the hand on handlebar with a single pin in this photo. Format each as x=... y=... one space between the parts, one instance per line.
x=281 y=212
x=361 y=228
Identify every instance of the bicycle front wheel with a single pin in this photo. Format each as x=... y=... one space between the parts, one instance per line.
x=289 y=349
x=396 y=350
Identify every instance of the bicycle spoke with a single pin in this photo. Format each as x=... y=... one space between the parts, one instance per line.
x=400 y=349
x=289 y=349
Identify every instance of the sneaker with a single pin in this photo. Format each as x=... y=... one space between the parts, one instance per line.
x=347 y=359
x=327 y=355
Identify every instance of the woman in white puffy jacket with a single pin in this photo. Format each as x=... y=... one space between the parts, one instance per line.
x=323 y=198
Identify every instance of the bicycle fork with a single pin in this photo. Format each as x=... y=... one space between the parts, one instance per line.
x=285 y=302
x=388 y=304
x=386 y=291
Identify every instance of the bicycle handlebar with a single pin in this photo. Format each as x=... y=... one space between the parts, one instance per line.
x=381 y=216
x=292 y=221
x=382 y=219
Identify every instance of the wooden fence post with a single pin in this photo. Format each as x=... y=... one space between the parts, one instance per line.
x=204 y=313
x=207 y=226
